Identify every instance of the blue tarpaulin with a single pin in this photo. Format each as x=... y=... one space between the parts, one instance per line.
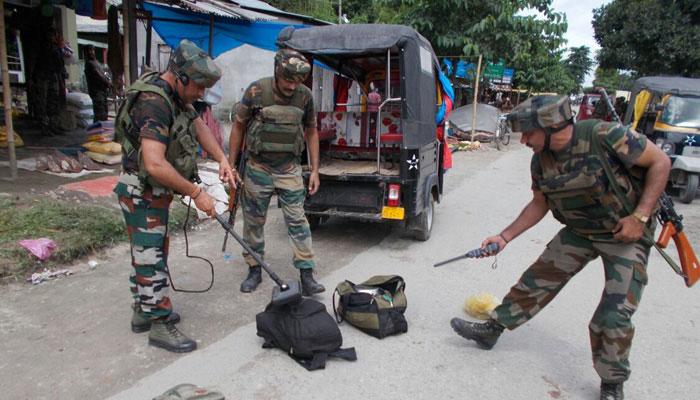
x=228 y=33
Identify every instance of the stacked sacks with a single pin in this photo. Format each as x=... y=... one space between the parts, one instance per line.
x=80 y=105
x=100 y=145
x=101 y=131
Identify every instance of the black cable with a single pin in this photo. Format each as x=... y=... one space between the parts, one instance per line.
x=187 y=253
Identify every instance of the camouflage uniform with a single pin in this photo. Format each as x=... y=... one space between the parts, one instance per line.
x=587 y=235
x=98 y=85
x=145 y=203
x=277 y=172
x=146 y=209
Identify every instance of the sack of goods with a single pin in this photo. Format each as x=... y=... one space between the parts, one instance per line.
x=305 y=331
x=375 y=306
x=101 y=131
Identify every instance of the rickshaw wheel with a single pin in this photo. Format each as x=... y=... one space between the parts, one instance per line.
x=425 y=222
x=687 y=193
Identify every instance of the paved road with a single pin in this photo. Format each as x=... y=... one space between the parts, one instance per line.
x=70 y=339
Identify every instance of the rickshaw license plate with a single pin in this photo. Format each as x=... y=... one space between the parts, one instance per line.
x=392 y=212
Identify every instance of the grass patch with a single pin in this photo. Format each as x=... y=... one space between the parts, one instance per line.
x=77 y=229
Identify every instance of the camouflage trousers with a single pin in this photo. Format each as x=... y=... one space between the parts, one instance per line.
x=260 y=182
x=146 y=212
x=611 y=328
x=47 y=103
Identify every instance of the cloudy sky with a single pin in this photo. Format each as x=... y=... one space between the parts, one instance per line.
x=579 y=14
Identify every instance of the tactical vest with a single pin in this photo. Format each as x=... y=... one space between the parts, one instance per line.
x=181 y=150
x=276 y=128
x=580 y=195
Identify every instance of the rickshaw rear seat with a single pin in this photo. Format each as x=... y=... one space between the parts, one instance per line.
x=393 y=139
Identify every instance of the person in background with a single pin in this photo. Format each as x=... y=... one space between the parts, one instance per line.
x=98 y=84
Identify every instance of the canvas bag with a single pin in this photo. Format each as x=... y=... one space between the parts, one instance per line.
x=305 y=331
x=375 y=306
x=188 y=391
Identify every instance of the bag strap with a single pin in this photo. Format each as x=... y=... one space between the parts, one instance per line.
x=340 y=318
x=648 y=235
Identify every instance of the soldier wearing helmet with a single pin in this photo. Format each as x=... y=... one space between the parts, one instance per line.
x=568 y=179
x=273 y=119
x=159 y=133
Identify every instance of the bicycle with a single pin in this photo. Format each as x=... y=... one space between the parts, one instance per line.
x=503 y=132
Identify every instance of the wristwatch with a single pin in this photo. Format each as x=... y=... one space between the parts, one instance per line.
x=640 y=217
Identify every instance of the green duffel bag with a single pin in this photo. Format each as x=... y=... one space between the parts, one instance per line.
x=188 y=391
x=375 y=306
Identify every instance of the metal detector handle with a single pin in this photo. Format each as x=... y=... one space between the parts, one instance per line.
x=250 y=251
x=480 y=252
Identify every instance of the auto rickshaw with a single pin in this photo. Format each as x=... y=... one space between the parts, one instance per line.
x=382 y=101
x=667 y=110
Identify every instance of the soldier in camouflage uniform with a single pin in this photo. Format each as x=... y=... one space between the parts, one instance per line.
x=98 y=84
x=160 y=132
x=568 y=179
x=274 y=116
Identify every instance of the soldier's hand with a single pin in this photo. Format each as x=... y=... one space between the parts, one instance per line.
x=228 y=174
x=628 y=229
x=205 y=203
x=314 y=183
x=498 y=239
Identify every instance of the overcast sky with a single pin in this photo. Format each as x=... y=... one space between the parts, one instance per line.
x=579 y=14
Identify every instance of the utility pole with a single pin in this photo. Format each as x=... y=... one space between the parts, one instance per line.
x=340 y=12
x=7 y=96
x=476 y=93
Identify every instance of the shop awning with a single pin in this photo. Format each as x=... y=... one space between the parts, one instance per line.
x=229 y=31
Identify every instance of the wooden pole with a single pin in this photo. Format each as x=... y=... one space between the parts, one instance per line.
x=7 y=96
x=211 y=34
x=476 y=93
x=125 y=43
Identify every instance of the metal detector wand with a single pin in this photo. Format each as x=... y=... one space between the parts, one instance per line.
x=476 y=253
x=250 y=251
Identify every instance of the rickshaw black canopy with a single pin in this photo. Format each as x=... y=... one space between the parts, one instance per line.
x=336 y=45
x=662 y=85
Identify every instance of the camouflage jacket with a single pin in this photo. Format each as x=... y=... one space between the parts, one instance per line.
x=575 y=184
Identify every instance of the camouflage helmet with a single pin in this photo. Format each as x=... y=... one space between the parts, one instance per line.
x=544 y=112
x=291 y=65
x=189 y=61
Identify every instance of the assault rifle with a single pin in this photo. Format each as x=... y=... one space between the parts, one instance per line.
x=234 y=197
x=671 y=228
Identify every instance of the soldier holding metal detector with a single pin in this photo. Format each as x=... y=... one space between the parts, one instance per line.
x=570 y=178
x=159 y=132
x=274 y=116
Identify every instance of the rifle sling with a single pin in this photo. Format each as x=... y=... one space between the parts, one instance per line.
x=628 y=207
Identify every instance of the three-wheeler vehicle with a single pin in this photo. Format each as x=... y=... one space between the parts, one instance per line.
x=381 y=101
x=667 y=110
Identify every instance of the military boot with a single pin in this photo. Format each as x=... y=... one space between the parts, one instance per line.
x=309 y=286
x=253 y=280
x=165 y=335
x=611 y=391
x=140 y=323
x=484 y=334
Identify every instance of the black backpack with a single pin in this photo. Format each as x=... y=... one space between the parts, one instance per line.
x=305 y=331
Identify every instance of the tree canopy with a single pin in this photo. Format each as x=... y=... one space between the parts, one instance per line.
x=649 y=36
x=497 y=29
x=578 y=64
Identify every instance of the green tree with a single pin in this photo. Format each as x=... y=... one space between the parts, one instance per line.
x=649 y=36
x=611 y=79
x=578 y=64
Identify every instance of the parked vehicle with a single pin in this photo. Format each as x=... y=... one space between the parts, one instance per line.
x=379 y=162
x=667 y=110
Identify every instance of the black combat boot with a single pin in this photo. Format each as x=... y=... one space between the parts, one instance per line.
x=611 y=391
x=165 y=335
x=484 y=334
x=253 y=280
x=140 y=323
x=309 y=286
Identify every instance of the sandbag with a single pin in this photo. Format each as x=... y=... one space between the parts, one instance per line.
x=109 y=148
